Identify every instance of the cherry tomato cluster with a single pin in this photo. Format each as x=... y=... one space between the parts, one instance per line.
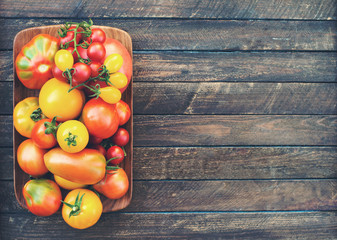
x=74 y=129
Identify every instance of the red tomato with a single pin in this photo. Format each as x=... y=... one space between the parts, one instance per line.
x=100 y=148
x=43 y=196
x=96 y=51
x=43 y=133
x=97 y=35
x=30 y=158
x=114 y=46
x=115 y=154
x=82 y=74
x=95 y=140
x=121 y=137
x=83 y=52
x=71 y=50
x=70 y=36
x=100 y=118
x=57 y=73
x=94 y=68
x=115 y=185
x=123 y=111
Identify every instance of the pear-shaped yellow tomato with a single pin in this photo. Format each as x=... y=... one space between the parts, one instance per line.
x=25 y=114
x=72 y=136
x=110 y=94
x=64 y=59
x=118 y=79
x=82 y=208
x=66 y=184
x=113 y=62
x=56 y=101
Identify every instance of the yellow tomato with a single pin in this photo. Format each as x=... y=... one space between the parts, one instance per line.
x=110 y=94
x=72 y=136
x=113 y=62
x=118 y=79
x=84 y=212
x=64 y=59
x=55 y=101
x=64 y=183
x=23 y=119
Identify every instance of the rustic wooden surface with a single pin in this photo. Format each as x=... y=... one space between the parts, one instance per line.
x=235 y=125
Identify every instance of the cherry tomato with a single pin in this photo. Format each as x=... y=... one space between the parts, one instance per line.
x=30 y=158
x=115 y=185
x=119 y=80
x=81 y=208
x=86 y=167
x=97 y=35
x=110 y=94
x=96 y=51
x=123 y=111
x=113 y=62
x=56 y=101
x=25 y=114
x=72 y=136
x=82 y=74
x=83 y=52
x=100 y=118
x=63 y=59
x=43 y=133
x=121 y=137
x=71 y=50
x=94 y=68
x=115 y=155
x=57 y=73
x=64 y=183
x=70 y=36
x=43 y=196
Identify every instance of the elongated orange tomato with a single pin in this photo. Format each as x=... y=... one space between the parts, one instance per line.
x=85 y=167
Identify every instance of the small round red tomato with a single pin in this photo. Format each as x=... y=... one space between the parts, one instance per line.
x=81 y=208
x=43 y=196
x=43 y=133
x=100 y=118
x=30 y=158
x=123 y=111
x=57 y=73
x=94 y=140
x=83 y=52
x=121 y=137
x=82 y=73
x=97 y=35
x=115 y=155
x=70 y=36
x=94 y=68
x=96 y=51
x=115 y=185
x=71 y=50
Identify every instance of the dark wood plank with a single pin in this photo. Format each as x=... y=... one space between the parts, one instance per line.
x=268 y=225
x=234 y=162
x=235 y=98
x=222 y=98
x=182 y=130
x=208 y=130
x=239 y=9
x=220 y=163
x=221 y=66
x=228 y=195
x=205 y=34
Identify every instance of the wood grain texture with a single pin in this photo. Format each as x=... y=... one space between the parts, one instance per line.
x=212 y=35
x=208 y=130
x=220 y=163
x=222 y=98
x=192 y=130
x=222 y=66
x=273 y=9
x=222 y=195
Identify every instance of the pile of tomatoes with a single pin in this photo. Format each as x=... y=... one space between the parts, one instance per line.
x=74 y=129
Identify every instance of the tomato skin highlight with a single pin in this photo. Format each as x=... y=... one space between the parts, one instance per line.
x=115 y=185
x=96 y=51
x=43 y=197
x=21 y=115
x=90 y=210
x=30 y=158
x=55 y=101
x=100 y=118
x=34 y=62
x=85 y=167
x=97 y=35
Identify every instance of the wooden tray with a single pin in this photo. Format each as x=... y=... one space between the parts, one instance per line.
x=20 y=92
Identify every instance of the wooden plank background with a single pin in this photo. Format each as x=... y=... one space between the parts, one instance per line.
x=235 y=126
